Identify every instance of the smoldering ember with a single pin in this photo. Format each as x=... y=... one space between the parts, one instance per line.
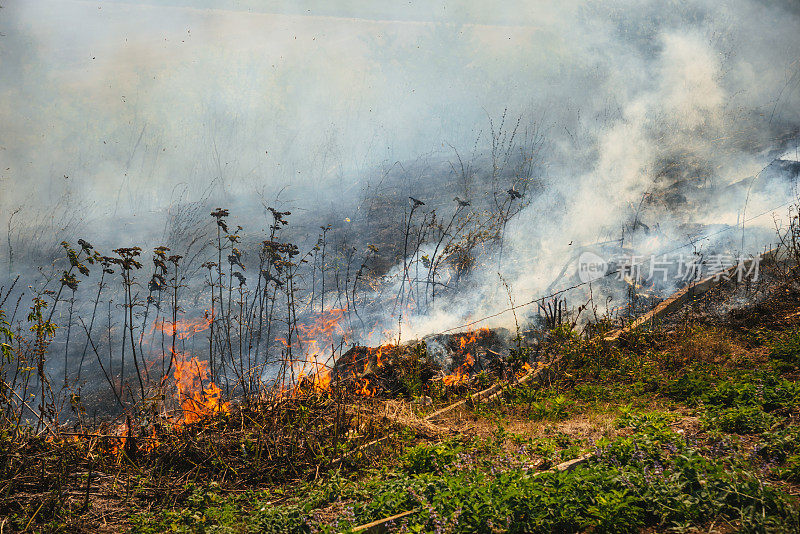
x=334 y=266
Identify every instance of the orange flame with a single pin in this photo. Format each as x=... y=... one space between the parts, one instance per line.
x=460 y=375
x=118 y=444
x=364 y=391
x=319 y=377
x=184 y=328
x=466 y=345
x=320 y=333
x=197 y=402
x=526 y=368
x=122 y=433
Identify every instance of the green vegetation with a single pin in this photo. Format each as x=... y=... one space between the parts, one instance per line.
x=675 y=444
x=687 y=431
x=651 y=478
x=786 y=347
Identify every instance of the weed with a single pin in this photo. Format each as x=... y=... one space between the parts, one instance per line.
x=540 y=405
x=790 y=470
x=689 y=388
x=738 y=420
x=778 y=445
x=429 y=458
x=787 y=347
x=652 y=479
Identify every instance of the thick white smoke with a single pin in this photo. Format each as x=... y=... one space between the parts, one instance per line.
x=694 y=108
x=114 y=111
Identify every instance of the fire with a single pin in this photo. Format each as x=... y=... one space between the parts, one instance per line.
x=466 y=346
x=198 y=397
x=118 y=444
x=153 y=442
x=197 y=401
x=460 y=375
x=319 y=377
x=122 y=433
x=455 y=378
x=314 y=340
x=364 y=391
x=322 y=380
x=325 y=326
x=183 y=329
x=464 y=340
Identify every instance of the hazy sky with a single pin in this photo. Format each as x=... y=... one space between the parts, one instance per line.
x=120 y=101
x=119 y=104
x=121 y=108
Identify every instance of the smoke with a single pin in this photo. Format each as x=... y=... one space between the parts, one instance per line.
x=115 y=113
x=693 y=108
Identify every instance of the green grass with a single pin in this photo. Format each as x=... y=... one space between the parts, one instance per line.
x=786 y=347
x=653 y=478
x=644 y=475
x=655 y=468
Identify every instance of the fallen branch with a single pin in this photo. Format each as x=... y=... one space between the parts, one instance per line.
x=375 y=525
x=491 y=392
x=378 y=526
x=690 y=292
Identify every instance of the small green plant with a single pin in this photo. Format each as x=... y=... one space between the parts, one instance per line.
x=411 y=369
x=787 y=347
x=790 y=470
x=541 y=405
x=738 y=420
x=555 y=449
x=777 y=446
x=204 y=509
x=689 y=388
x=556 y=408
x=271 y=519
x=6 y=337
x=652 y=423
x=429 y=458
x=650 y=480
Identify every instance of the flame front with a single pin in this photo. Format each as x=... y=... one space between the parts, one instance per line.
x=466 y=346
x=183 y=329
x=317 y=341
x=197 y=396
x=314 y=340
x=197 y=402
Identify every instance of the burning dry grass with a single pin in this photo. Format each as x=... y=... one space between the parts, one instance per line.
x=350 y=415
x=91 y=476
x=197 y=396
x=325 y=417
x=82 y=478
